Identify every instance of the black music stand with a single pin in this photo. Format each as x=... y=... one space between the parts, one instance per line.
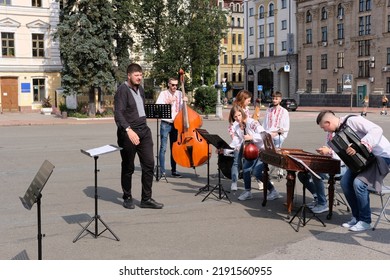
x=95 y=153
x=34 y=194
x=158 y=111
x=302 y=209
x=219 y=143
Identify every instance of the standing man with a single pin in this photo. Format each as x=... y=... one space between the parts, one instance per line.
x=175 y=98
x=134 y=137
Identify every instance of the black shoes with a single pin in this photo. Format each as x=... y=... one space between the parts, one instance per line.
x=151 y=203
x=128 y=203
x=176 y=175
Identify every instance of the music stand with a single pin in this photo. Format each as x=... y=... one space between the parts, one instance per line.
x=34 y=194
x=219 y=143
x=158 y=111
x=95 y=153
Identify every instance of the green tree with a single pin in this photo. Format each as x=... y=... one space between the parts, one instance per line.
x=86 y=32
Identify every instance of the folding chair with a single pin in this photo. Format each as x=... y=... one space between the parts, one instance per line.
x=384 y=203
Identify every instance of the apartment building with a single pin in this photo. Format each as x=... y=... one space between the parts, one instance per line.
x=30 y=59
x=270 y=47
x=344 y=52
x=231 y=67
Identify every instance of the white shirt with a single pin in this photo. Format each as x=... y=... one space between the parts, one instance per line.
x=175 y=99
x=277 y=118
x=253 y=128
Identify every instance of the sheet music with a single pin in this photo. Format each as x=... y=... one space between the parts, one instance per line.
x=305 y=165
x=101 y=150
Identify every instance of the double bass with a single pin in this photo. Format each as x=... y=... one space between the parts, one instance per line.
x=190 y=149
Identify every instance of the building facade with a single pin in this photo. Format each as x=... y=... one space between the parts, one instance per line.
x=231 y=67
x=344 y=52
x=30 y=62
x=270 y=47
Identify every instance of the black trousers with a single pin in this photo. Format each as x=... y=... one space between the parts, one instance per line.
x=144 y=150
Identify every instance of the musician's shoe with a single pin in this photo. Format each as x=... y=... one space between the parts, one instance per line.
x=318 y=209
x=312 y=204
x=162 y=174
x=260 y=183
x=233 y=187
x=350 y=223
x=273 y=195
x=151 y=203
x=128 y=203
x=245 y=195
x=176 y=175
x=360 y=226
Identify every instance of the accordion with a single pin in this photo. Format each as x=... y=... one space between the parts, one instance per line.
x=347 y=137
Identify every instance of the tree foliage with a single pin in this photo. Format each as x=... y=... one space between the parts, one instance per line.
x=86 y=31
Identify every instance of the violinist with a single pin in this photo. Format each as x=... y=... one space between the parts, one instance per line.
x=134 y=137
x=175 y=98
x=248 y=129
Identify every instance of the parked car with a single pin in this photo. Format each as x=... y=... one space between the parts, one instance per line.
x=290 y=104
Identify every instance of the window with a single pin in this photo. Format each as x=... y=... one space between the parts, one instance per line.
x=324 y=85
x=364 y=68
x=284 y=24
x=388 y=56
x=309 y=17
x=39 y=91
x=308 y=86
x=261 y=12
x=340 y=31
x=251 y=12
x=239 y=59
x=239 y=39
x=239 y=77
x=284 y=45
x=340 y=10
x=340 y=60
x=233 y=39
x=271 y=11
x=250 y=31
x=233 y=77
x=309 y=62
x=339 y=86
x=324 y=14
x=324 y=34
x=232 y=22
x=364 y=48
x=261 y=50
x=36 y=3
x=324 y=61
x=225 y=59
x=388 y=22
x=261 y=31
x=225 y=75
x=364 y=5
x=5 y=2
x=271 y=49
x=271 y=30
x=284 y=4
x=38 y=48
x=388 y=85
x=364 y=25
x=308 y=36
x=238 y=22
x=250 y=49
x=225 y=40
x=7 y=44
x=234 y=59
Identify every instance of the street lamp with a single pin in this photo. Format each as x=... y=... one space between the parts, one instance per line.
x=218 y=107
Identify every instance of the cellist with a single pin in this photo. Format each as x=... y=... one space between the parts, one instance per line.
x=175 y=98
x=248 y=129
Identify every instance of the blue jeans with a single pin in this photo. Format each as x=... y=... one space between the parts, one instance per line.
x=255 y=168
x=315 y=185
x=357 y=195
x=165 y=130
x=237 y=164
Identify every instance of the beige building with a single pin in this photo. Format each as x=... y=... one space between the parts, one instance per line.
x=344 y=52
x=30 y=62
x=231 y=67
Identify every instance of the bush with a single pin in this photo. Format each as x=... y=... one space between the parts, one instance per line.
x=206 y=99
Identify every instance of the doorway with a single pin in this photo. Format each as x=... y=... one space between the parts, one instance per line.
x=9 y=94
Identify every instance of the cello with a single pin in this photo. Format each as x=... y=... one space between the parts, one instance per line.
x=190 y=149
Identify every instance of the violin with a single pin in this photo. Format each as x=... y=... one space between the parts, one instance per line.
x=190 y=149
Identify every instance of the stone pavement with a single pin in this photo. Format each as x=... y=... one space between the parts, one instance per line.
x=186 y=228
